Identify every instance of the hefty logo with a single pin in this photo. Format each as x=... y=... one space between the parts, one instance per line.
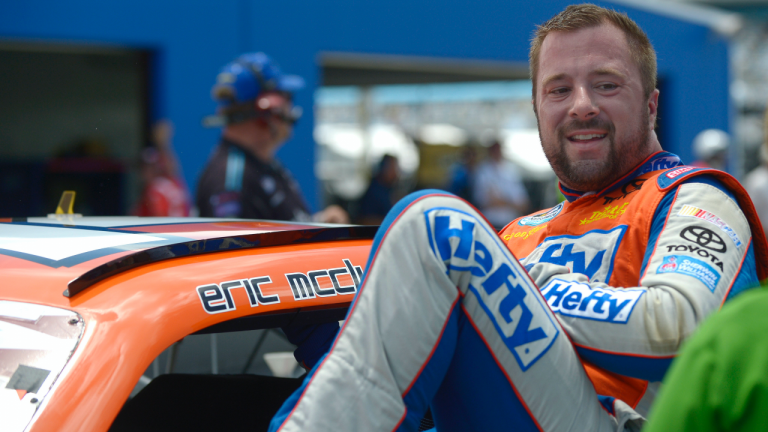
x=591 y=254
x=661 y=163
x=510 y=300
x=678 y=172
x=580 y=300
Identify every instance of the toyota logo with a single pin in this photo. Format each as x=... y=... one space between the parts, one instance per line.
x=704 y=238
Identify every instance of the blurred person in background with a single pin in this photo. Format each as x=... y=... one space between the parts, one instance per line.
x=243 y=179
x=756 y=184
x=498 y=190
x=462 y=176
x=164 y=192
x=378 y=198
x=711 y=149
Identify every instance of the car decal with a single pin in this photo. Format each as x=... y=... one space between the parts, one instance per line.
x=217 y=297
x=56 y=246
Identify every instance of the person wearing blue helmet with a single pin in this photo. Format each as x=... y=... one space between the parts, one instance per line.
x=243 y=179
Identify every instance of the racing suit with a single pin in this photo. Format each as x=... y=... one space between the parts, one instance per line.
x=237 y=184
x=448 y=317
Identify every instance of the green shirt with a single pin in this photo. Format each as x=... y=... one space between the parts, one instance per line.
x=719 y=382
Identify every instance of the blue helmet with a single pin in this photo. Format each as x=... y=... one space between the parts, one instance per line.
x=250 y=75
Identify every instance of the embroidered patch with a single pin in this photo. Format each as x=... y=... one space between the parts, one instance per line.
x=542 y=217
x=591 y=254
x=660 y=163
x=690 y=267
x=691 y=211
x=632 y=186
x=678 y=172
x=607 y=213
x=582 y=301
x=525 y=234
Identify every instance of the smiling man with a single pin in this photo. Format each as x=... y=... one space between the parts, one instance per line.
x=595 y=103
x=569 y=320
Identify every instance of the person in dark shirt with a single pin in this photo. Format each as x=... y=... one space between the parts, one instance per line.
x=378 y=199
x=243 y=179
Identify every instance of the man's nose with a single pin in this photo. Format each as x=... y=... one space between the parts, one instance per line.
x=584 y=106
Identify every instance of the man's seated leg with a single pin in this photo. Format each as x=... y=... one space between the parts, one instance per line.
x=446 y=316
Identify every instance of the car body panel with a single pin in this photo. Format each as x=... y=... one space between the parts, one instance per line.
x=132 y=316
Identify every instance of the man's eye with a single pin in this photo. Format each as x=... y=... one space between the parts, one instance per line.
x=560 y=90
x=607 y=86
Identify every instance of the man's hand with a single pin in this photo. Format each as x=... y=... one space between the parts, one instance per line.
x=331 y=214
x=312 y=341
x=540 y=273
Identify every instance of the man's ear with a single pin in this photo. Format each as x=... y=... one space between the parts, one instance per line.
x=653 y=108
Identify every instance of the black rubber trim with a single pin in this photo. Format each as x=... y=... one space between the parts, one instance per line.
x=301 y=317
x=199 y=247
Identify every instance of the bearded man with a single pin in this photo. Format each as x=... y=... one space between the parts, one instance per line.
x=570 y=318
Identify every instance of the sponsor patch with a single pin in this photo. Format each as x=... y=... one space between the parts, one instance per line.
x=582 y=301
x=591 y=254
x=704 y=237
x=542 y=217
x=503 y=290
x=698 y=251
x=690 y=267
x=678 y=172
x=695 y=212
x=607 y=213
x=525 y=234
x=629 y=188
x=226 y=204
x=660 y=163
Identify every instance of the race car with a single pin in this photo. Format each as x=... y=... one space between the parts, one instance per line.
x=87 y=304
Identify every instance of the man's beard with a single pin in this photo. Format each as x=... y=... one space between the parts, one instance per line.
x=595 y=174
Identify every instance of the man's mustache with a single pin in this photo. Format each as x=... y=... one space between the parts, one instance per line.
x=593 y=123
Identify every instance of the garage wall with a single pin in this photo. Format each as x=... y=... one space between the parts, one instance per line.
x=190 y=41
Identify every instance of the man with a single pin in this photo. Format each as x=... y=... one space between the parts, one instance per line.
x=711 y=149
x=618 y=275
x=498 y=189
x=165 y=193
x=243 y=179
x=378 y=199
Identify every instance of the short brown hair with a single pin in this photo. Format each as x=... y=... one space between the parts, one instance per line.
x=577 y=17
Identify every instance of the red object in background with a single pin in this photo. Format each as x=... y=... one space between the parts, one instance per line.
x=164 y=197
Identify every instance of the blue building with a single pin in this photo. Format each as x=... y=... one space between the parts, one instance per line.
x=180 y=47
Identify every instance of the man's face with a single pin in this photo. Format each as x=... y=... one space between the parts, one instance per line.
x=279 y=106
x=594 y=120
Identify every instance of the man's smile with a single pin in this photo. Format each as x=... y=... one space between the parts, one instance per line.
x=585 y=137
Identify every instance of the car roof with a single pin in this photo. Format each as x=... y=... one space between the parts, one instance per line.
x=142 y=284
x=67 y=250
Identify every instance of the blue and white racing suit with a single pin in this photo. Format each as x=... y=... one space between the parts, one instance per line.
x=448 y=318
